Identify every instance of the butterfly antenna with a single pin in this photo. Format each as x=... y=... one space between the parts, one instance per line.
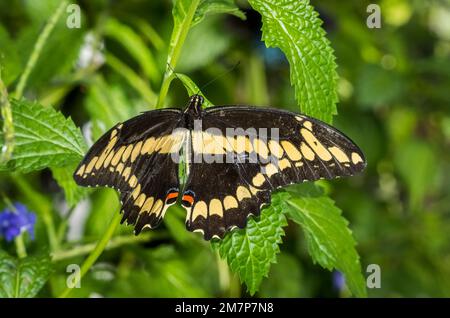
x=231 y=69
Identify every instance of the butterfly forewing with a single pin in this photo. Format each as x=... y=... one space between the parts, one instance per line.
x=135 y=157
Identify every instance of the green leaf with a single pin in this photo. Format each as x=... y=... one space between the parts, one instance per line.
x=279 y=285
x=43 y=138
x=294 y=27
x=192 y=88
x=10 y=64
x=108 y=104
x=194 y=55
x=249 y=252
x=420 y=156
x=64 y=177
x=23 y=278
x=134 y=44
x=330 y=241
x=209 y=7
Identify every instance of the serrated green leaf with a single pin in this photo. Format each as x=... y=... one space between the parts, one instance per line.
x=23 y=278
x=209 y=7
x=251 y=251
x=294 y=27
x=64 y=177
x=330 y=241
x=43 y=138
x=192 y=88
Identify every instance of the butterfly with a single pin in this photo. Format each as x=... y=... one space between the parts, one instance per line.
x=221 y=163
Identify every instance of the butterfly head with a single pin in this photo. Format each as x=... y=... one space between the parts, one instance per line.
x=195 y=105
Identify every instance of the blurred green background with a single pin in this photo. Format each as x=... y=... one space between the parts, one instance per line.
x=394 y=103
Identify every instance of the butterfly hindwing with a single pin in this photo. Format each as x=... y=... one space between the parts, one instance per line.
x=299 y=149
x=135 y=157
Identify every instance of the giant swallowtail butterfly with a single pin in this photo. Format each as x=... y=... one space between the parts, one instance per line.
x=234 y=156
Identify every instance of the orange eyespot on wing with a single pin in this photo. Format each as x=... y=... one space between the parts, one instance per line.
x=172 y=196
x=188 y=199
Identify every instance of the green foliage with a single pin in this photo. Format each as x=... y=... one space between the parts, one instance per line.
x=23 y=278
x=421 y=157
x=295 y=28
x=43 y=138
x=209 y=7
x=250 y=252
x=393 y=103
x=330 y=242
x=130 y=40
x=192 y=88
x=64 y=176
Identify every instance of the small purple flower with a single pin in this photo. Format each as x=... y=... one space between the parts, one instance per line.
x=15 y=220
x=338 y=280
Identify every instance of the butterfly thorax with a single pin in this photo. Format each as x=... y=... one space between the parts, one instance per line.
x=194 y=108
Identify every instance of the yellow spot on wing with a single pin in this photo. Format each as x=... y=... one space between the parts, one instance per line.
x=339 y=154
x=111 y=144
x=108 y=159
x=117 y=156
x=133 y=181
x=260 y=148
x=200 y=208
x=81 y=170
x=356 y=158
x=149 y=146
x=215 y=207
x=270 y=169
x=307 y=152
x=91 y=164
x=126 y=173
x=242 y=193
x=275 y=149
x=157 y=206
x=136 y=191
x=147 y=205
x=308 y=124
x=136 y=151
x=316 y=145
x=291 y=150
x=140 y=200
x=230 y=202
x=258 y=180
x=119 y=168
x=127 y=153
x=283 y=164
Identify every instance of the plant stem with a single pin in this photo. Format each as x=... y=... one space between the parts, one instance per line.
x=176 y=43
x=38 y=49
x=113 y=243
x=8 y=127
x=41 y=204
x=97 y=251
x=20 y=246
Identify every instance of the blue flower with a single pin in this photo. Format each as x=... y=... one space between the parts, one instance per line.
x=338 y=281
x=15 y=220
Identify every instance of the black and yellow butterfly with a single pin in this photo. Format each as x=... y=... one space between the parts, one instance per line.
x=142 y=156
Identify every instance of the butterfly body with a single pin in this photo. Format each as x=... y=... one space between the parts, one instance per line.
x=234 y=157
